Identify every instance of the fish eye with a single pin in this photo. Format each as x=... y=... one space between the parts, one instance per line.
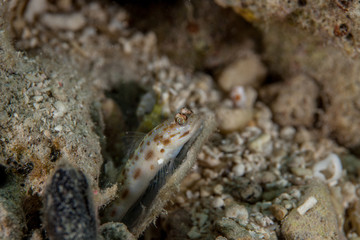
x=180 y=119
x=186 y=111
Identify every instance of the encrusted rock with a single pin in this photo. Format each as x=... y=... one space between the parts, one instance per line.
x=232 y=230
x=12 y=222
x=115 y=231
x=247 y=71
x=318 y=222
x=68 y=209
x=296 y=102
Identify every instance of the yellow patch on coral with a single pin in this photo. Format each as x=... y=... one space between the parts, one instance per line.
x=245 y=13
x=152 y=120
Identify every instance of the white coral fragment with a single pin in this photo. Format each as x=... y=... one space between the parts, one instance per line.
x=307 y=205
x=61 y=109
x=329 y=169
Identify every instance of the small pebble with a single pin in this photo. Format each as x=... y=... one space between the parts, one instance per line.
x=47 y=133
x=301 y=172
x=267 y=177
x=278 y=211
x=38 y=98
x=208 y=173
x=194 y=233
x=204 y=193
x=287 y=133
x=218 y=189
x=235 y=210
x=259 y=144
x=202 y=219
x=296 y=193
x=218 y=202
x=288 y=204
x=238 y=170
x=246 y=190
x=58 y=128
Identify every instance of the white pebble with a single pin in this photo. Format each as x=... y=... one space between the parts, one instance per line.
x=189 y=194
x=60 y=109
x=218 y=202
x=307 y=205
x=295 y=193
x=218 y=189
x=38 y=98
x=58 y=128
x=47 y=133
x=287 y=133
x=204 y=193
x=180 y=200
x=331 y=164
x=238 y=170
x=36 y=106
x=259 y=144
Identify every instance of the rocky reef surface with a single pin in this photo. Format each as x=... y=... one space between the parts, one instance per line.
x=277 y=157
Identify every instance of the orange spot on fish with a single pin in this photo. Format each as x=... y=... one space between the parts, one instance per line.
x=166 y=142
x=184 y=134
x=149 y=155
x=125 y=193
x=137 y=173
x=157 y=137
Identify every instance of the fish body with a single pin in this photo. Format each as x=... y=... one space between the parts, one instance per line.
x=159 y=147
